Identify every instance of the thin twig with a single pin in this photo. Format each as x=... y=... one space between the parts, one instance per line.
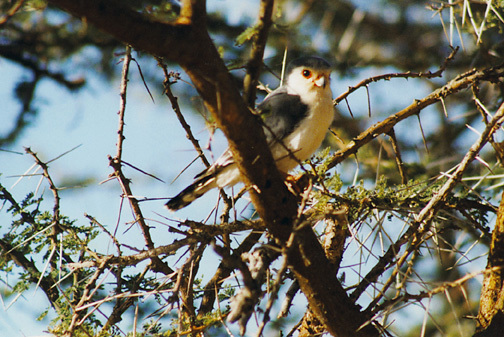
x=439 y=289
x=398 y=157
x=421 y=225
x=53 y=188
x=141 y=171
x=459 y=83
x=170 y=79
x=424 y=140
x=122 y=107
x=115 y=163
x=255 y=62
x=197 y=236
x=143 y=79
x=112 y=237
x=387 y=77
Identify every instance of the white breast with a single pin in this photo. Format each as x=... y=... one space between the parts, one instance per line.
x=308 y=136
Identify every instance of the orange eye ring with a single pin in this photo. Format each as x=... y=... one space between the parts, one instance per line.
x=306 y=73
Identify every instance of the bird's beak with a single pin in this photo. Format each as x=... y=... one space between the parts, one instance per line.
x=321 y=82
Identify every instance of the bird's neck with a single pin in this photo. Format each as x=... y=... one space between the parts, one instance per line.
x=317 y=98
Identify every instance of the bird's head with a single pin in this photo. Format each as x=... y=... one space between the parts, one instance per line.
x=309 y=77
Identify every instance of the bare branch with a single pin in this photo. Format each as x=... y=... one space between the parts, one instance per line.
x=491 y=305
x=423 y=219
x=115 y=163
x=437 y=290
x=56 y=228
x=199 y=232
x=254 y=65
x=85 y=297
x=459 y=83
x=398 y=158
x=11 y=12
x=123 y=304
x=170 y=79
x=223 y=271
x=388 y=77
x=122 y=107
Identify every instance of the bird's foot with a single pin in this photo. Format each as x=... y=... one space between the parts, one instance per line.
x=297 y=184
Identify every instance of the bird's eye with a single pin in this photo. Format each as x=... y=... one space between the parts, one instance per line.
x=306 y=73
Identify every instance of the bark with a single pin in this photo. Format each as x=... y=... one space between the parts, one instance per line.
x=186 y=41
x=336 y=232
x=491 y=311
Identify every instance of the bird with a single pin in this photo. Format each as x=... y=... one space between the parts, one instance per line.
x=296 y=117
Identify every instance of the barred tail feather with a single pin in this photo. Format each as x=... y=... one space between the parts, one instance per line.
x=191 y=193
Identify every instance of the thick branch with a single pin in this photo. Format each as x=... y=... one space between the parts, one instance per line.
x=127 y=25
x=491 y=309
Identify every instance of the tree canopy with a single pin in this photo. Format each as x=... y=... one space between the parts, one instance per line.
x=392 y=229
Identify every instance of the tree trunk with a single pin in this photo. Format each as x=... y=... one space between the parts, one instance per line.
x=491 y=311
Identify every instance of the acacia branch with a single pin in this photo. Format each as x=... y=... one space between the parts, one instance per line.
x=46 y=282
x=7 y=196
x=86 y=296
x=223 y=271
x=335 y=235
x=123 y=304
x=55 y=223
x=254 y=65
x=115 y=163
x=388 y=77
x=421 y=225
x=398 y=157
x=52 y=186
x=461 y=82
x=187 y=128
x=172 y=78
x=122 y=107
x=197 y=232
x=491 y=304
x=11 y=12
x=437 y=290
x=187 y=275
x=186 y=41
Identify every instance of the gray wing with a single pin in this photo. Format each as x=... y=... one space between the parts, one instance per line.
x=282 y=114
